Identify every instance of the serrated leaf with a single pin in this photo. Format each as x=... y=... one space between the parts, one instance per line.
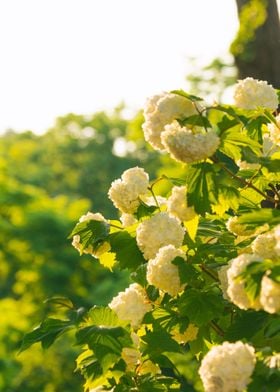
x=182 y=93
x=108 y=260
x=145 y=210
x=104 y=340
x=126 y=250
x=227 y=123
x=246 y=325
x=252 y=277
x=202 y=188
x=228 y=198
x=101 y=315
x=196 y=120
x=200 y=306
x=232 y=142
x=187 y=272
x=192 y=226
x=140 y=275
x=46 y=333
x=152 y=292
x=260 y=217
x=159 y=341
x=91 y=232
x=273 y=328
x=61 y=302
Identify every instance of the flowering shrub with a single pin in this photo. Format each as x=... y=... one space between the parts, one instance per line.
x=204 y=259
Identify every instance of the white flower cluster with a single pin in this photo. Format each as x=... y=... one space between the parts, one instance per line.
x=161 y=110
x=270 y=295
x=89 y=250
x=160 y=230
x=187 y=146
x=164 y=275
x=131 y=305
x=125 y=191
x=251 y=93
x=177 y=204
x=267 y=245
x=236 y=287
x=228 y=367
x=234 y=290
x=127 y=219
x=240 y=230
x=274 y=131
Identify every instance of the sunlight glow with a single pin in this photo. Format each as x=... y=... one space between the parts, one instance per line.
x=87 y=55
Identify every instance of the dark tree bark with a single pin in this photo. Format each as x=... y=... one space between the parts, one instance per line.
x=263 y=61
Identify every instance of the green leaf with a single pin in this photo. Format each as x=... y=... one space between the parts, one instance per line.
x=232 y=142
x=200 y=306
x=228 y=198
x=187 y=272
x=246 y=325
x=89 y=365
x=106 y=342
x=127 y=252
x=160 y=383
x=61 y=302
x=46 y=333
x=145 y=210
x=273 y=328
x=257 y=218
x=252 y=277
x=191 y=97
x=197 y=120
x=161 y=318
x=140 y=275
x=227 y=123
x=91 y=232
x=202 y=188
x=101 y=315
x=159 y=341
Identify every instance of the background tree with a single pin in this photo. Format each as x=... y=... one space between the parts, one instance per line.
x=256 y=48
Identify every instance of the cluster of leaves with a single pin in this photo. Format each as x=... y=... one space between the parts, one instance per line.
x=39 y=205
x=217 y=189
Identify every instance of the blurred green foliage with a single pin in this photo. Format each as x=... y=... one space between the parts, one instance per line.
x=252 y=16
x=46 y=183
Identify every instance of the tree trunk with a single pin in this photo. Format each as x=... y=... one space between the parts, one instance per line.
x=259 y=57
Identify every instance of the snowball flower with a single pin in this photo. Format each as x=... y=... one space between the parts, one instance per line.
x=274 y=131
x=160 y=230
x=162 y=109
x=164 y=275
x=236 y=287
x=127 y=219
x=251 y=93
x=125 y=192
x=239 y=229
x=105 y=247
x=264 y=245
x=131 y=304
x=177 y=204
x=228 y=367
x=186 y=146
x=270 y=295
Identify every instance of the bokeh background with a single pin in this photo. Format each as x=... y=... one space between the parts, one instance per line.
x=74 y=76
